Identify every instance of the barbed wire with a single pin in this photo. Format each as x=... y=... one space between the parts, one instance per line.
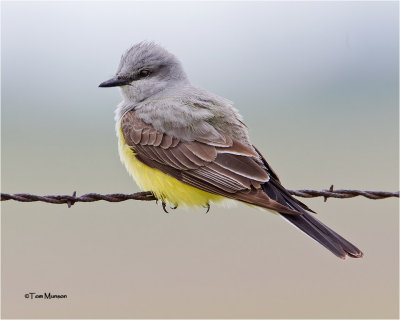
x=148 y=196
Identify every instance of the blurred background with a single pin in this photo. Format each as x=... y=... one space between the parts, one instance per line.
x=317 y=84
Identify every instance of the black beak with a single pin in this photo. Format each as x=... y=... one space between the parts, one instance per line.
x=115 y=82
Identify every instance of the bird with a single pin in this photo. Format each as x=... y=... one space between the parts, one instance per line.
x=191 y=148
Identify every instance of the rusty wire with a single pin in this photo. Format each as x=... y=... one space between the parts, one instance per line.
x=148 y=196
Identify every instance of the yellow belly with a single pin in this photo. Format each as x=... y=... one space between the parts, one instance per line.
x=163 y=186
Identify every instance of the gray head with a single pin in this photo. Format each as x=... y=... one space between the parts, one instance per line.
x=146 y=69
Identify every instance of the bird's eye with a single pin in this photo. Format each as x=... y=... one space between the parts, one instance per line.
x=144 y=73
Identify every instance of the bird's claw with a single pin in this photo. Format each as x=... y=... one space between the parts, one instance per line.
x=164 y=205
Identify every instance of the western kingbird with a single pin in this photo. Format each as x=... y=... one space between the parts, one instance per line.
x=190 y=147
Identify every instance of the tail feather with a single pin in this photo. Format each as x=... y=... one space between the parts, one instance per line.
x=324 y=235
x=309 y=224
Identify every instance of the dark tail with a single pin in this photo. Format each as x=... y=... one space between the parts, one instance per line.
x=324 y=235
x=306 y=221
x=310 y=225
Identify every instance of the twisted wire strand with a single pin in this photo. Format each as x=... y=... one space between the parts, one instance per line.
x=148 y=196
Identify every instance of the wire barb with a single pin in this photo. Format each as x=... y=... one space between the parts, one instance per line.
x=148 y=196
x=72 y=202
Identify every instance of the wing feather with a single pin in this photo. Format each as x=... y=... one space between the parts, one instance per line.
x=202 y=151
x=145 y=136
x=221 y=166
x=166 y=142
x=152 y=137
x=191 y=156
x=242 y=165
x=158 y=140
x=183 y=159
x=239 y=149
x=136 y=135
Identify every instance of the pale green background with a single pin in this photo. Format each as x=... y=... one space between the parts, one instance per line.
x=317 y=84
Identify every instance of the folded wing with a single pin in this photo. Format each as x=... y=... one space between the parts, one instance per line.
x=221 y=166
